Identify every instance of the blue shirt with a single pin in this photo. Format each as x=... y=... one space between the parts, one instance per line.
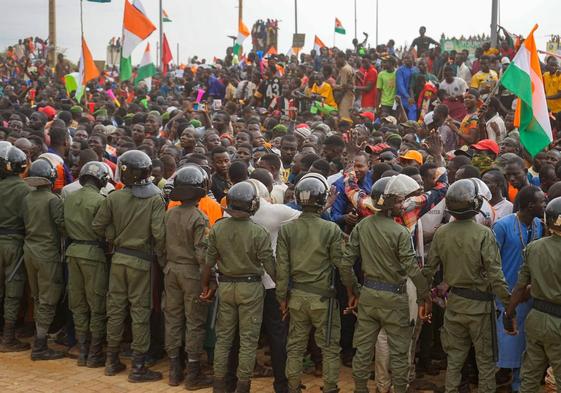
x=216 y=88
x=341 y=205
x=403 y=81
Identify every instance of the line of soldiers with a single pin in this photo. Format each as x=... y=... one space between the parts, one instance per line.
x=236 y=252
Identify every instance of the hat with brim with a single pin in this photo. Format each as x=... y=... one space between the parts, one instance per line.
x=463 y=151
x=413 y=155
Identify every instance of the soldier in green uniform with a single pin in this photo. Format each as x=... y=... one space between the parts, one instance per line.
x=308 y=250
x=241 y=249
x=43 y=217
x=185 y=314
x=388 y=258
x=542 y=273
x=87 y=264
x=13 y=190
x=471 y=264
x=133 y=220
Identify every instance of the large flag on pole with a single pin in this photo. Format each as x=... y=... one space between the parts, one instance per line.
x=318 y=44
x=88 y=71
x=243 y=33
x=166 y=56
x=524 y=78
x=146 y=70
x=339 y=27
x=136 y=28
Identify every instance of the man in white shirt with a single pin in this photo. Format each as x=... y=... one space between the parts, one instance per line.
x=454 y=86
x=495 y=180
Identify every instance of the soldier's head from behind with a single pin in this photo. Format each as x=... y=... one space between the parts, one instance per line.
x=42 y=174
x=95 y=173
x=377 y=192
x=553 y=216
x=190 y=184
x=134 y=168
x=13 y=161
x=463 y=199
x=242 y=200
x=311 y=192
x=397 y=190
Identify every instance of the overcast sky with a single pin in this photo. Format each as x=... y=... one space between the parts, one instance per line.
x=201 y=27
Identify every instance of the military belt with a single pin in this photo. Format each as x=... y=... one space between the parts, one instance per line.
x=134 y=253
x=325 y=293
x=385 y=286
x=12 y=231
x=253 y=278
x=473 y=294
x=88 y=242
x=550 y=308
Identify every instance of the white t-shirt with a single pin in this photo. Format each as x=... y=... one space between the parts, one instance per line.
x=455 y=89
x=503 y=208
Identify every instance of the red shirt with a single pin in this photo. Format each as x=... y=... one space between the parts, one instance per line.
x=369 y=97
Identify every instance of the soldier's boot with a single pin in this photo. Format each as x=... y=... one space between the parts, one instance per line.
x=243 y=386
x=361 y=386
x=196 y=379
x=175 y=371
x=139 y=371
x=218 y=385
x=95 y=355
x=83 y=346
x=41 y=351
x=9 y=341
x=113 y=364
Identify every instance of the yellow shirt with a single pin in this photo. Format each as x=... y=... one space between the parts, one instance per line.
x=491 y=52
x=326 y=91
x=483 y=80
x=552 y=85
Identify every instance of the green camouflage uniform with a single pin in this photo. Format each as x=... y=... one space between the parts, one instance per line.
x=471 y=260
x=308 y=249
x=388 y=258
x=541 y=270
x=139 y=229
x=43 y=215
x=186 y=232
x=12 y=192
x=87 y=265
x=241 y=248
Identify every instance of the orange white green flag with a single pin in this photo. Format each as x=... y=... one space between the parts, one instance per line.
x=524 y=78
x=339 y=27
x=88 y=70
x=318 y=44
x=243 y=33
x=136 y=28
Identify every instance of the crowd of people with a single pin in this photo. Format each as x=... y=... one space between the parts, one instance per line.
x=365 y=207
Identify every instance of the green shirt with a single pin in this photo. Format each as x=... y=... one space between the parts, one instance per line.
x=138 y=224
x=387 y=253
x=307 y=250
x=386 y=84
x=240 y=248
x=43 y=216
x=470 y=258
x=80 y=208
x=541 y=269
x=12 y=192
x=186 y=234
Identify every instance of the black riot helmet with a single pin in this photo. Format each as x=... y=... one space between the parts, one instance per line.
x=98 y=171
x=463 y=200
x=312 y=191
x=41 y=173
x=134 y=168
x=242 y=200
x=553 y=216
x=13 y=161
x=377 y=192
x=190 y=183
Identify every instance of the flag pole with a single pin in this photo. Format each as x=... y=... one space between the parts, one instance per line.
x=161 y=51
x=82 y=17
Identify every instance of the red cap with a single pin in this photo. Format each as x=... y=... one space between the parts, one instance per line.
x=487 y=144
x=49 y=111
x=368 y=115
x=377 y=149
